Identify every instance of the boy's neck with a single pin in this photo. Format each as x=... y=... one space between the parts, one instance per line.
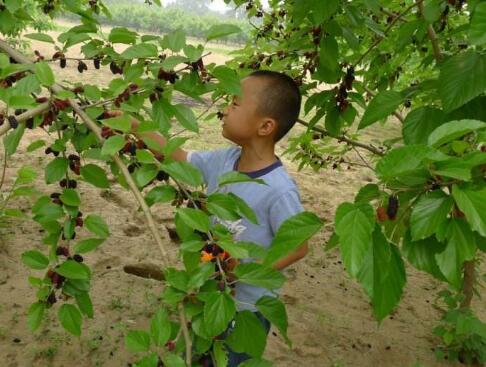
x=254 y=158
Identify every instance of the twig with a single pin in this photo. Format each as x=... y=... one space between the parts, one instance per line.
x=362 y=158
x=4 y=168
x=185 y=333
x=387 y=29
x=343 y=138
x=432 y=35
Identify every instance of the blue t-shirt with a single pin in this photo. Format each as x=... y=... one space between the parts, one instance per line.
x=272 y=203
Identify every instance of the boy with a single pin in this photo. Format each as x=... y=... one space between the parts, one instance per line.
x=267 y=109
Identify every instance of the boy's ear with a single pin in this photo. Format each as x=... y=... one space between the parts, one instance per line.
x=268 y=127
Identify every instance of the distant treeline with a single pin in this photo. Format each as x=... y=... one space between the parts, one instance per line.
x=164 y=20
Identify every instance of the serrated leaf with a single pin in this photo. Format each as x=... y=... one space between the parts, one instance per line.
x=186 y=117
x=419 y=124
x=429 y=213
x=95 y=224
x=194 y=218
x=259 y=275
x=462 y=77
x=42 y=37
x=274 y=311
x=381 y=106
x=44 y=74
x=70 y=319
x=248 y=336
x=56 y=170
x=228 y=79
x=219 y=309
x=95 y=175
x=35 y=260
x=184 y=172
x=221 y=30
x=87 y=245
x=291 y=234
x=477 y=28
x=140 y=51
x=472 y=202
x=112 y=145
x=73 y=270
x=160 y=327
x=70 y=197
x=452 y=130
x=35 y=315
x=84 y=303
x=137 y=341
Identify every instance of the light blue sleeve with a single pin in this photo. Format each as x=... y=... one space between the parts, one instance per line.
x=285 y=206
x=209 y=162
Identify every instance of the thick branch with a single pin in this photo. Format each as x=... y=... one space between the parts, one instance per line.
x=468 y=283
x=432 y=35
x=370 y=148
x=25 y=116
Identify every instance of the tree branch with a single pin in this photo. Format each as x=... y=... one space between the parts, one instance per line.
x=43 y=107
x=432 y=35
x=387 y=29
x=343 y=138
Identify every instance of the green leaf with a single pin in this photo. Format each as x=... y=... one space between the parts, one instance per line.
x=88 y=245
x=112 y=145
x=248 y=336
x=200 y=275
x=95 y=175
x=35 y=260
x=11 y=140
x=462 y=77
x=329 y=52
x=95 y=224
x=122 y=35
x=44 y=74
x=420 y=123
x=73 y=270
x=222 y=206
x=243 y=208
x=194 y=218
x=233 y=177
x=291 y=234
x=472 y=203
x=121 y=123
x=477 y=28
x=274 y=311
x=429 y=213
x=70 y=197
x=84 y=303
x=228 y=79
x=160 y=327
x=56 y=170
x=354 y=226
x=459 y=167
x=186 y=117
x=152 y=360
x=460 y=247
x=381 y=106
x=173 y=360
x=219 y=309
x=140 y=51
x=453 y=130
x=137 y=341
x=176 y=40
x=145 y=156
x=234 y=249
x=35 y=315
x=220 y=355
x=402 y=161
x=177 y=278
x=145 y=174
x=35 y=145
x=184 y=172
x=42 y=37
x=382 y=275
x=421 y=254
x=221 y=30
x=160 y=194
x=259 y=275
x=70 y=319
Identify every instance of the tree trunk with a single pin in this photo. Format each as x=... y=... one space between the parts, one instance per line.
x=468 y=283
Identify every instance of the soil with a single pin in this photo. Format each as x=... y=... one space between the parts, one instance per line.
x=330 y=317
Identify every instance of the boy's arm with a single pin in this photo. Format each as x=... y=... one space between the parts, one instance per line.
x=292 y=257
x=178 y=155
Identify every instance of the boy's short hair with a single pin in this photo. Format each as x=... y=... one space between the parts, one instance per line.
x=280 y=100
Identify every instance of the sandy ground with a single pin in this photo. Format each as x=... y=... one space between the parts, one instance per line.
x=330 y=318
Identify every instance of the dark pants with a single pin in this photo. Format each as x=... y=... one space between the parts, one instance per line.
x=234 y=358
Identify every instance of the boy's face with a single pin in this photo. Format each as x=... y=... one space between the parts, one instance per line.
x=241 y=121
